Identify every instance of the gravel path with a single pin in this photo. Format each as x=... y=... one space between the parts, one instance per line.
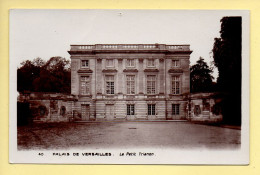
x=126 y=135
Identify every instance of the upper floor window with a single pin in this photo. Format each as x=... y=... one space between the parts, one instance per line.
x=175 y=63
x=150 y=63
x=109 y=63
x=130 y=84
x=110 y=84
x=151 y=84
x=130 y=63
x=175 y=84
x=85 y=85
x=84 y=63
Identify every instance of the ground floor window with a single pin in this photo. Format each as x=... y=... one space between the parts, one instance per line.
x=175 y=109
x=151 y=109
x=131 y=109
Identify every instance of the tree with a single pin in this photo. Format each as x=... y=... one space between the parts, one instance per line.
x=40 y=76
x=26 y=74
x=227 y=58
x=201 y=79
x=54 y=76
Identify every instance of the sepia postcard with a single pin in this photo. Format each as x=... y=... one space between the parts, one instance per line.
x=129 y=86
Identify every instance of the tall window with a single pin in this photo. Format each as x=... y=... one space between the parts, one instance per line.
x=175 y=84
x=85 y=85
x=175 y=109
x=175 y=63
x=130 y=63
x=110 y=84
x=130 y=109
x=130 y=84
x=84 y=63
x=150 y=63
x=151 y=84
x=109 y=63
x=151 y=109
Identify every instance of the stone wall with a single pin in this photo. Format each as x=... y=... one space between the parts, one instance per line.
x=48 y=107
x=204 y=108
x=53 y=107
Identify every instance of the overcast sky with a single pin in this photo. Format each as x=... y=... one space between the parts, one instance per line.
x=48 y=33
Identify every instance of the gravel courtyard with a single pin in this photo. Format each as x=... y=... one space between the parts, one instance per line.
x=126 y=135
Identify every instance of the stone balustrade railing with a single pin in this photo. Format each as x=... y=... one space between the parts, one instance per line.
x=130 y=47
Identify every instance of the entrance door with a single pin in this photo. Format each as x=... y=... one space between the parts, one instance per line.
x=85 y=112
x=110 y=112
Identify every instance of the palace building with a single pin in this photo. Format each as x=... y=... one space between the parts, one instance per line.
x=124 y=82
x=130 y=81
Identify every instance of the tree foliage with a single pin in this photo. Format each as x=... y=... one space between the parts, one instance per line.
x=40 y=76
x=227 y=55
x=227 y=58
x=200 y=77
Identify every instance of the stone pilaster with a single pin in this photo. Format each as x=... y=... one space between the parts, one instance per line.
x=120 y=76
x=161 y=76
x=99 y=76
x=141 y=76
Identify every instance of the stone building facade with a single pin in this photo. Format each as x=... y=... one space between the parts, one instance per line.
x=124 y=82
x=130 y=81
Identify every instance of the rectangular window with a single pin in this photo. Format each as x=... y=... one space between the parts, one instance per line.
x=130 y=63
x=110 y=84
x=130 y=84
x=175 y=84
x=175 y=109
x=150 y=63
x=151 y=84
x=84 y=63
x=175 y=63
x=85 y=84
x=151 y=109
x=109 y=63
x=131 y=109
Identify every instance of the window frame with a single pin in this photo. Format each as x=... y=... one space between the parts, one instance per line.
x=129 y=60
x=107 y=63
x=176 y=89
x=83 y=65
x=177 y=63
x=110 y=86
x=153 y=90
x=151 y=109
x=176 y=112
x=130 y=85
x=86 y=83
x=130 y=109
x=148 y=63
